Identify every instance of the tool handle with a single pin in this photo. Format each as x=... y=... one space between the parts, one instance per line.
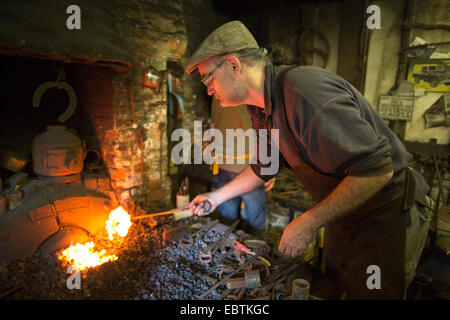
x=239 y=246
x=178 y=215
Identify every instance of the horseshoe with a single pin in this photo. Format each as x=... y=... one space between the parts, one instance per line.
x=224 y=269
x=185 y=243
x=60 y=85
x=205 y=257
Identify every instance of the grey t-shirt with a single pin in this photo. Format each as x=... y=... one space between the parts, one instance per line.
x=334 y=126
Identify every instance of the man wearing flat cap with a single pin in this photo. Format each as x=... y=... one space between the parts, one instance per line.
x=353 y=165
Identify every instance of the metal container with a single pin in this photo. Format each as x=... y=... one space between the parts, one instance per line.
x=252 y=279
x=300 y=289
x=57 y=153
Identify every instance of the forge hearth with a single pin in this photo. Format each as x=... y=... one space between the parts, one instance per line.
x=148 y=267
x=58 y=156
x=153 y=266
x=89 y=81
x=52 y=218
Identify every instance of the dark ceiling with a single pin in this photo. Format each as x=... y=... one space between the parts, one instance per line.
x=237 y=8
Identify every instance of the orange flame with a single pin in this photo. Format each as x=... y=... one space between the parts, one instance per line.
x=119 y=222
x=83 y=256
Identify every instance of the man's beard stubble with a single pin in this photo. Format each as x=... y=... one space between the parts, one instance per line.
x=236 y=98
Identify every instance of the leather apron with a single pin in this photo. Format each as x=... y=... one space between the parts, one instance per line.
x=375 y=234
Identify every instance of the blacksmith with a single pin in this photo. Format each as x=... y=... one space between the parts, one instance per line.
x=374 y=206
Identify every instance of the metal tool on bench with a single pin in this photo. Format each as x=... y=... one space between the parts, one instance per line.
x=206 y=255
x=178 y=214
x=190 y=239
x=285 y=271
x=239 y=246
x=203 y=231
x=224 y=280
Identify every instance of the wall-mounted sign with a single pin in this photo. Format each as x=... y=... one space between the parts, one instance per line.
x=430 y=74
x=396 y=107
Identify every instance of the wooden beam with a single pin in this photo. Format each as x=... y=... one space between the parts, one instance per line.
x=353 y=21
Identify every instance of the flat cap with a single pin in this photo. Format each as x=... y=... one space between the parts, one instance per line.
x=229 y=37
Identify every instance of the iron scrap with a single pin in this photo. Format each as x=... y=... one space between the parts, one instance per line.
x=223 y=281
x=207 y=254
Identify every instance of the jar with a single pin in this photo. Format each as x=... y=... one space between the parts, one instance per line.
x=57 y=152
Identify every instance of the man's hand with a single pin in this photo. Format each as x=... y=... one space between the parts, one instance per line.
x=245 y=182
x=269 y=184
x=296 y=236
x=348 y=196
x=198 y=207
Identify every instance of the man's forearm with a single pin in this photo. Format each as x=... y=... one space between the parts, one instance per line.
x=245 y=182
x=348 y=196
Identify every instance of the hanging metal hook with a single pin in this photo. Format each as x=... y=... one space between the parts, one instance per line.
x=60 y=84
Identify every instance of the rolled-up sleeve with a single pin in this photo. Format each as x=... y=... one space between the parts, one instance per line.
x=339 y=140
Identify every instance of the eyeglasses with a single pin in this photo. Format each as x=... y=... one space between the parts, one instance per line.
x=207 y=77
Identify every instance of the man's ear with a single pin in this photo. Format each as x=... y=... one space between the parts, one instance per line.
x=235 y=63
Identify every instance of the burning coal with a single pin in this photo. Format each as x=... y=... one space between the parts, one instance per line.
x=83 y=256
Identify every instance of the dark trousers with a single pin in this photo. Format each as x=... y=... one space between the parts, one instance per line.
x=255 y=204
x=355 y=244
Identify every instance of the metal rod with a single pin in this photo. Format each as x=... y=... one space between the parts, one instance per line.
x=224 y=294
x=202 y=232
x=241 y=293
x=438 y=173
x=9 y=291
x=282 y=274
x=223 y=237
x=224 y=280
x=157 y=214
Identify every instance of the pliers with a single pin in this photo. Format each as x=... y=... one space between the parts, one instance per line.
x=239 y=246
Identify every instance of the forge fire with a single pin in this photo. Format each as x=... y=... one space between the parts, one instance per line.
x=150 y=263
x=83 y=256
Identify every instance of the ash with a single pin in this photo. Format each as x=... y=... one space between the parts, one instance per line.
x=148 y=268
